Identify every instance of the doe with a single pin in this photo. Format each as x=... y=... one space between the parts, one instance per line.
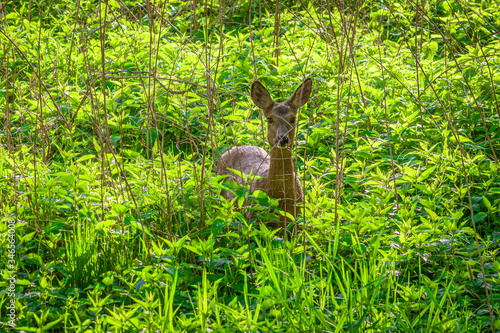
x=279 y=179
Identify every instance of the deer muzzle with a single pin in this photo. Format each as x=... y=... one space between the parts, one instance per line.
x=282 y=141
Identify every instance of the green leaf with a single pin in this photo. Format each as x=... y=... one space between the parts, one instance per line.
x=433 y=215
x=410 y=171
x=119 y=209
x=461 y=138
x=487 y=203
x=85 y=157
x=26 y=24
x=424 y=175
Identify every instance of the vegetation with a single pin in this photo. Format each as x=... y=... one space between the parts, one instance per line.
x=115 y=112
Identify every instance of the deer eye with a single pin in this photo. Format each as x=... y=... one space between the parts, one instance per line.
x=270 y=120
x=292 y=121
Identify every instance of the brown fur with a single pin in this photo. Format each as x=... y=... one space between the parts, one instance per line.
x=280 y=181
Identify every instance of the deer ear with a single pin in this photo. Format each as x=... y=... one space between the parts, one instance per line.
x=260 y=96
x=301 y=95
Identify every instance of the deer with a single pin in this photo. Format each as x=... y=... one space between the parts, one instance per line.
x=279 y=180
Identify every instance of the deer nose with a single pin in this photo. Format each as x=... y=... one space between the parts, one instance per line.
x=282 y=140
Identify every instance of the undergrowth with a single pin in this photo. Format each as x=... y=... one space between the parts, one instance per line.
x=115 y=113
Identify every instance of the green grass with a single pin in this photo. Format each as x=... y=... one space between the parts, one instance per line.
x=114 y=114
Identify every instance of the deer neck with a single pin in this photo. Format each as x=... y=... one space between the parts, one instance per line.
x=281 y=175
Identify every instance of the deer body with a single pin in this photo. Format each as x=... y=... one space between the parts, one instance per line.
x=276 y=167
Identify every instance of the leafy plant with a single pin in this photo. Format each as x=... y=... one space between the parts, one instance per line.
x=114 y=113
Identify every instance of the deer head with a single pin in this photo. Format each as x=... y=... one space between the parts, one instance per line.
x=281 y=116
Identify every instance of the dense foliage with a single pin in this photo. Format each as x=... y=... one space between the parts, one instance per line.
x=115 y=112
